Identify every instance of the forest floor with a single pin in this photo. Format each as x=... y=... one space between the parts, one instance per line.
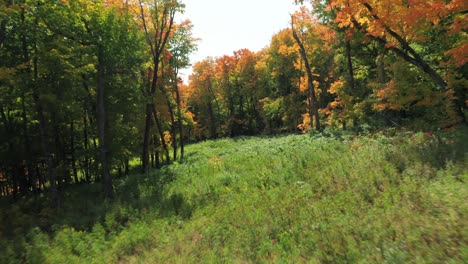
x=390 y=197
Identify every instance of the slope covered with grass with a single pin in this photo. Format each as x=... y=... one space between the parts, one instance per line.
x=300 y=198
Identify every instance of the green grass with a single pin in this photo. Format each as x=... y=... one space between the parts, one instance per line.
x=383 y=198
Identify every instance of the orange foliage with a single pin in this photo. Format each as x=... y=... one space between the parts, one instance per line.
x=459 y=54
x=408 y=19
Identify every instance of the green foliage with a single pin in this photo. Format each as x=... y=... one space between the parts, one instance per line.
x=387 y=197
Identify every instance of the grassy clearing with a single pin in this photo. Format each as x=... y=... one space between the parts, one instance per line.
x=300 y=198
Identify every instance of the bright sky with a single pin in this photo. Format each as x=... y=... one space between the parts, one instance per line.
x=225 y=26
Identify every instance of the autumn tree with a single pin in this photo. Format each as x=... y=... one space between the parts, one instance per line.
x=181 y=45
x=157 y=19
x=203 y=99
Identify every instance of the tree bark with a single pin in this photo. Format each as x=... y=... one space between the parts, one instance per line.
x=86 y=146
x=313 y=107
x=29 y=155
x=351 y=80
x=212 y=120
x=166 y=93
x=146 y=138
x=101 y=120
x=72 y=150
x=161 y=135
x=179 y=122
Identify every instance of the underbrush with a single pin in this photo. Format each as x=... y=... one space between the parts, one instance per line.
x=387 y=197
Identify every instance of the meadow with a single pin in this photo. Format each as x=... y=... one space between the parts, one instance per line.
x=386 y=197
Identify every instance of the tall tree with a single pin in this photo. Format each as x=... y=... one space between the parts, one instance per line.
x=182 y=44
x=298 y=31
x=157 y=19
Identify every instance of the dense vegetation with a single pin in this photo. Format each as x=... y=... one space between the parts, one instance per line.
x=387 y=197
x=87 y=86
x=95 y=119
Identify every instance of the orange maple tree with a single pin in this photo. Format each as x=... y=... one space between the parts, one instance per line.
x=398 y=25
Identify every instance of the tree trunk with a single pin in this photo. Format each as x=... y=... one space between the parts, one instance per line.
x=416 y=59
x=29 y=155
x=43 y=134
x=72 y=150
x=212 y=120
x=351 y=80
x=173 y=124
x=127 y=167
x=313 y=107
x=146 y=137
x=162 y=29
x=161 y=135
x=86 y=147
x=101 y=120
x=179 y=122
x=46 y=149
x=173 y=131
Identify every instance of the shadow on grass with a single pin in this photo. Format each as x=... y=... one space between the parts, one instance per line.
x=137 y=197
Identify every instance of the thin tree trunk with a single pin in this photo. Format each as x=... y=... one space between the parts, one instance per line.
x=413 y=57
x=27 y=143
x=163 y=27
x=179 y=122
x=127 y=167
x=90 y=108
x=43 y=127
x=146 y=138
x=72 y=150
x=101 y=120
x=86 y=147
x=351 y=79
x=167 y=96
x=161 y=135
x=349 y=63
x=46 y=149
x=381 y=66
x=212 y=120
x=173 y=131
x=313 y=107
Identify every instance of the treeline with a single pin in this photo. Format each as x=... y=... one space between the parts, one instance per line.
x=87 y=86
x=341 y=64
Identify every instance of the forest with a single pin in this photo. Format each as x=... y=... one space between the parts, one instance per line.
x=102 y=142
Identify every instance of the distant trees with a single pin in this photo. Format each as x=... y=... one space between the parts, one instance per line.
x=366 y=63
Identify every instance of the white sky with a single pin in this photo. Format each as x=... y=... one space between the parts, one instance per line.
x=225 y=26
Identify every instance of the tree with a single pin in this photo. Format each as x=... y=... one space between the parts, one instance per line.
x=382 y=20
x=182 y=44
x=203 y=99
x=298 y=31
x=158 y=20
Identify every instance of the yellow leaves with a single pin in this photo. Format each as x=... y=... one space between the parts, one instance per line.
x=167 y=138
x=303 y=85
x=336 y=87
x=306 y=124
x=363 y=20
x=287 y=50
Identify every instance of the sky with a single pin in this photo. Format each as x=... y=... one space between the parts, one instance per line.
x=225 y=26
